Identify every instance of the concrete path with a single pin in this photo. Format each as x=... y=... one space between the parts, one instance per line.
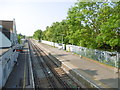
x=92 y=70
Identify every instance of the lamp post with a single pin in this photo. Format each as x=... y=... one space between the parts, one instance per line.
x=118 y=60
x=62 y=39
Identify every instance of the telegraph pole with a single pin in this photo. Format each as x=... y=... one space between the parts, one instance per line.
x=62 y=39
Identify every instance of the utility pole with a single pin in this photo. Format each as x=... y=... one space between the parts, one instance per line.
x=62 y=39
x=118 y=60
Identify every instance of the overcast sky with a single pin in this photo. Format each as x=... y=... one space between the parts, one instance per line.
x=31 y=15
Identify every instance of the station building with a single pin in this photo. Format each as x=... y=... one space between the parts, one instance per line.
x=8 y=45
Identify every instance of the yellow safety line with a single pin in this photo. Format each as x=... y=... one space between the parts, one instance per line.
x=24 y=82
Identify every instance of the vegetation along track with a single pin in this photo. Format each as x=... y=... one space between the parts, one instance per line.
x=52 y=76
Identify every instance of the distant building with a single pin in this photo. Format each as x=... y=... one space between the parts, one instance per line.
x=7 y=33
x=8 y=45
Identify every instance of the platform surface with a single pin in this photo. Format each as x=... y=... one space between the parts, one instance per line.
x=19 y=77
x=93 y=71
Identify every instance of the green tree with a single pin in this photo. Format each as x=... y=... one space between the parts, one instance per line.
x=20 y=36
x=88 y=24
x=37 y=35
x=109 y=20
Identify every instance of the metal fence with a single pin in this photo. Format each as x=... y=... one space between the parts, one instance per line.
x=110 y=58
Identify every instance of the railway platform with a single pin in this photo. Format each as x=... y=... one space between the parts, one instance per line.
x=89 y=72
x=21 y=75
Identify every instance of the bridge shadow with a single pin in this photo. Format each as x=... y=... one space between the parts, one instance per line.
x=112 y=82
x=84 y=75
x=90 y=72
x=61 y=54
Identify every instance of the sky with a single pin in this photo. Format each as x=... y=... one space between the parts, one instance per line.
x=31 y=15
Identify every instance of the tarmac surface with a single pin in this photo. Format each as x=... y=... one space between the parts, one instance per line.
x=19 y=77
x=92 y=70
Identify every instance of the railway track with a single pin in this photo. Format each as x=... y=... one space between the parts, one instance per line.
x=53 y=76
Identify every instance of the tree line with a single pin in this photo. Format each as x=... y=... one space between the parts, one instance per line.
x=89 y=24
x=20 y=36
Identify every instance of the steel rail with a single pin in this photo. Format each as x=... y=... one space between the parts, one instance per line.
x=48 y=77
x=64 y=84
x=56 y=74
